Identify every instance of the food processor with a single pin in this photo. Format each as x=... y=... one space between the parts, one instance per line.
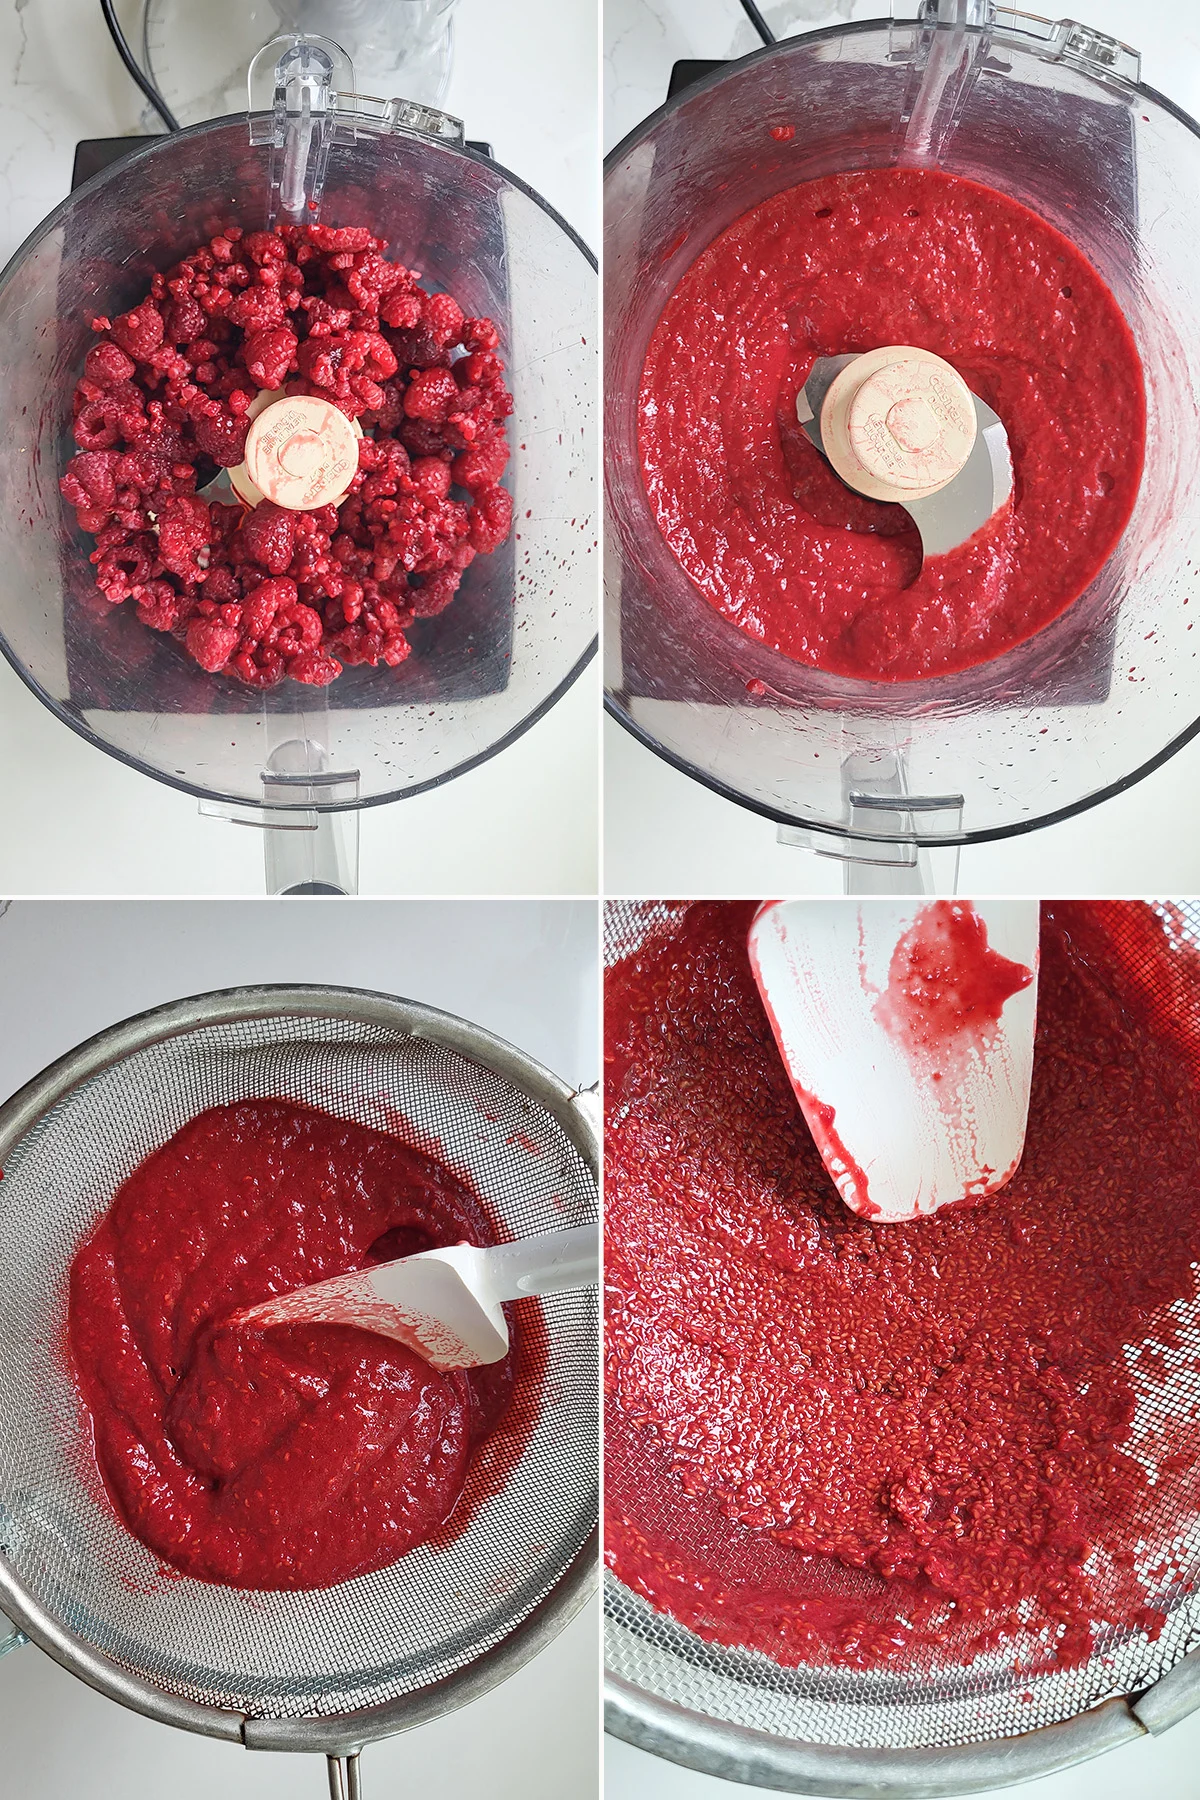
x=295 y=762
x=326 y=1671
x=197 y=56
x=940 y=1724
x=892 y=777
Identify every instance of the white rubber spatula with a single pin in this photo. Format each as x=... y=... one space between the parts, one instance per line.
x=444 y=1304
x=906 y=1027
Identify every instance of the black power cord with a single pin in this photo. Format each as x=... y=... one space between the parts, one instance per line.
x=759 y=23
x=138 y=73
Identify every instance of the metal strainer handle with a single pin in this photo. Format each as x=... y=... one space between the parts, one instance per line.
x=345 y=1783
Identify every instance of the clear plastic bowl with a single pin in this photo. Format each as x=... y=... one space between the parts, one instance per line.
x=523 y=623
x=1055 y=117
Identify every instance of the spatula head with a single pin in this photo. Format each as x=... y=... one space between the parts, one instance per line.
x=906 y=1028
x=438 y=1303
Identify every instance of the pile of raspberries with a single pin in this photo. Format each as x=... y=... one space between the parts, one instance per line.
x=263 y=594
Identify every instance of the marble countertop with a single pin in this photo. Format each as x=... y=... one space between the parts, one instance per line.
x=75 y=821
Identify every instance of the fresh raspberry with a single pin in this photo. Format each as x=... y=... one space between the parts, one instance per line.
x=140 y=331
x=211 y=643
x=432 y=396
x=491 y=519
x=269 y=537
x=269 y=355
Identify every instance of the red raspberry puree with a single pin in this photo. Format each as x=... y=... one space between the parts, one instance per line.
x=266 y=593
x=838 y=1442
x=294 y=1457
x=754 y=514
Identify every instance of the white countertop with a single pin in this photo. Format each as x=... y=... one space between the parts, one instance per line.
x=75 y=821
x=666 y=834
x=526 y=971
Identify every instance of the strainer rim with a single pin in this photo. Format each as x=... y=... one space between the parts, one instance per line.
x=574 y=1109
x=754 y=1758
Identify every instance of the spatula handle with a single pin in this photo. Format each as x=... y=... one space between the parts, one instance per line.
x=549 y=1264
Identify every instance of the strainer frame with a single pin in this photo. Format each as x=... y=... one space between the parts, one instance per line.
x=576 y=1111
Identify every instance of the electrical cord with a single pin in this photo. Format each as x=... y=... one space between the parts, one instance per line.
x=759 y=23
x=139 y=75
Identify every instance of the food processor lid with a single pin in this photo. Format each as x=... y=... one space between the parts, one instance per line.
x=1056 y=115
x=522 y=626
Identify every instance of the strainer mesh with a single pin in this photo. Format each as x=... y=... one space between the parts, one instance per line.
x=365 y=1642
x=935 y=1701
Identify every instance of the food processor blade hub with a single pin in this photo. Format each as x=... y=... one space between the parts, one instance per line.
x=900 y=425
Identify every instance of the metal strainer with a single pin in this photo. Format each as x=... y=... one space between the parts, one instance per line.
x=325 y=1671
x=940 y=1728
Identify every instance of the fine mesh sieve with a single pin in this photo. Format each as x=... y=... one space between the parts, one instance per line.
x=937 y=1727
x=330 y=1670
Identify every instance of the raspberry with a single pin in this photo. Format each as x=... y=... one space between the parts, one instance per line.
x=184 y=321
x=211 y=644
x=491 y=519
x=483 y=464
x=184 y=528
x=436 y=592
x=221 y=436
x=97 y=427
x=269 y=537
x=256 y=309
x=105 y=364
x=347 y=237
x=315 y=668
x=308 y=309
x=432 y=396
x=263 y=603
x=480 y=334
x=402 y=310
x=431 y=478
x=90 y=480
x=159 y=606
x=269 y=355
x=444 y=316
x=139 y=332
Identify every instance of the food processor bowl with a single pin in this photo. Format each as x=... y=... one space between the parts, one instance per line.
x=1054 y=116
x=522 y=625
